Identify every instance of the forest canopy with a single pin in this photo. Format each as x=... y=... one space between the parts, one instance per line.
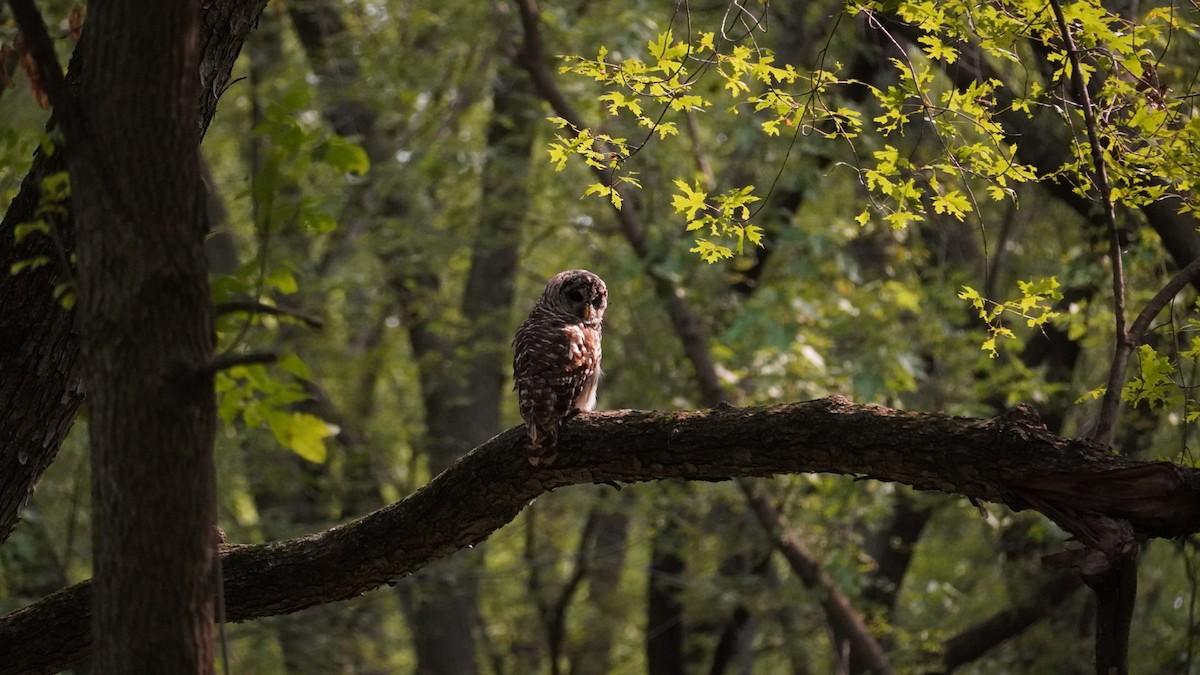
x=899 y=352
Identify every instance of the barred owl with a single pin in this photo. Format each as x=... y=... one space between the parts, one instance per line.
x=557 y=362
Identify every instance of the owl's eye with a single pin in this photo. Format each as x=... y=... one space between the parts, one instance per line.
x=575 y=295
x=597 y=301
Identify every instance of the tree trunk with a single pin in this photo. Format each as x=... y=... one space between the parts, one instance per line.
x=606 y=561
x=462 y=375
x=146 y=330
x=462 y=400
x=665 y=632
x=40 y=390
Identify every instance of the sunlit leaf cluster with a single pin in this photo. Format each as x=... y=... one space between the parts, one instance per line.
x=1035 y=307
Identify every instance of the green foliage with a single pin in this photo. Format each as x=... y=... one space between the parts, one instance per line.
x=723 y=216
x=668 y=80
x=343 y=155
x=1035 y=306
x=1160 y=380
x=252 y=396
x=295 y=151
x=52 y=207
x=888 y=191
x=1153 y=384
x=1139 y=129
x=1148 y=136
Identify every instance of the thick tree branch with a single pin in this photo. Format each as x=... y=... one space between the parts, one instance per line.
x=1009 y=459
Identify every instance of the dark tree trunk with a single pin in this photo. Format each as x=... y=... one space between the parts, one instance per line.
x=40 y=390
x=605 y=561
x=665 y=632
x=146 y=330
x=462 y=400
x=462 y=375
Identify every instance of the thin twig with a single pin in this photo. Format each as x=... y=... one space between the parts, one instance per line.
x=233 y=360
x=1124 y=344
x=255 y=307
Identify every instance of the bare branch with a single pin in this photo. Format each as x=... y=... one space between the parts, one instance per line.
x=253 y=307
x=839 y=612
x=1187 y=275
x=233 y=360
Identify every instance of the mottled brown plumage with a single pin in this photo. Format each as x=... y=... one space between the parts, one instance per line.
x=556 y=365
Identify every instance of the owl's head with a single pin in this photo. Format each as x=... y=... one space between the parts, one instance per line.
x=578 y=293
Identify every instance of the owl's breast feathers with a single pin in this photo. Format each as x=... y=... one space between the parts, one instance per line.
x=556 y=365
x=556 y=371
x=583 y=347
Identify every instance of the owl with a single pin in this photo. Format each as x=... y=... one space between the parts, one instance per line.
x=556 y=365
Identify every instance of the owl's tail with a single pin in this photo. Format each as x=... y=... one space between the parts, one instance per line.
x=543 y=444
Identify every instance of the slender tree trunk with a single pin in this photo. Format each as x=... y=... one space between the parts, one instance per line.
x=606 y=561
x=462 y=375
x=463 y=401
x=146 y=327
x=665 y=632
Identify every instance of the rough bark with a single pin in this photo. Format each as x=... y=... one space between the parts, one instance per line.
x=147 y=340
x=1010 y=459
x=40 y=386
